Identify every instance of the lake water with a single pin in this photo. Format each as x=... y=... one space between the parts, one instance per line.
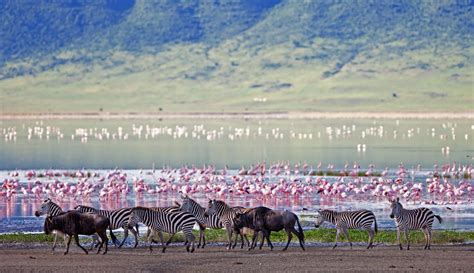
x=135 y=144
x=132 y=145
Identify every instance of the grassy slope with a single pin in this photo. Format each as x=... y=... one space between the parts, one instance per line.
x=315 y=235
x=281 y=59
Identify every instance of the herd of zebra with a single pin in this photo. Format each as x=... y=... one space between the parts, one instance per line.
x=240 y=221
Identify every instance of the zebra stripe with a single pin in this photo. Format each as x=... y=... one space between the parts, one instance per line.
x=204 y=220
x=412 y=219
x=169 y=222
x=119 y=218
x=361 y=219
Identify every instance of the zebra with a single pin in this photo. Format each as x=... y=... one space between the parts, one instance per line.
x=226 y=216
x=51 y=209
x=345 y=220
x=204 y=221
x=410 y=219
x=119 y=218
x=169 y=222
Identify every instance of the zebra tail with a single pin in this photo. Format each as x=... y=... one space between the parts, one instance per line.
x=300 y=229
x=439 y=218
x=112 y=236
x=375 y=225
x=138 y=232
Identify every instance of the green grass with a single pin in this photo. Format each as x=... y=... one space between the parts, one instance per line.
x=321 y=235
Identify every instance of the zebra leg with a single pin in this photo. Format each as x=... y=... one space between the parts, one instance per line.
x=150 y=239
x=371 y=233
x=56 y=238
x=425 y=232
x=125 y=235
x=67 y=245
x=135 y=234
x=200 y=236
x=398 y=239
x=169 y=241
x=406 y=238
x=229 y=235
x=338 y=232
x=346 y=233
x=148 y=234
x=189 y=241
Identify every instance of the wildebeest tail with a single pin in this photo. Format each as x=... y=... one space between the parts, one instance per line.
x=300 y=229
x=112 y=236
x=375 y=225
x=439 y=218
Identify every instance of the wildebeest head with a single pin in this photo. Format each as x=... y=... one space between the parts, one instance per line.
x=396 y=208
x=319 y=219
x=44 y=208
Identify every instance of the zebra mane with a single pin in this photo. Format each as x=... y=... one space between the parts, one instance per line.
x=220 y=203
x=86 y=208
x=329 y=215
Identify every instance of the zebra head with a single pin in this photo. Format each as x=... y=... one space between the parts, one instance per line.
x=46 y=208
x=187 y=204
x=319 y=219
x=211 y=207
x=396 y=208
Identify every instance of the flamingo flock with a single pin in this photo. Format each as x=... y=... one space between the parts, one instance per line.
x=446 y=133
x=447 y=184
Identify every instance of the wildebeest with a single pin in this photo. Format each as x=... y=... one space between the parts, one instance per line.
x=74 y=223
x=265 y=220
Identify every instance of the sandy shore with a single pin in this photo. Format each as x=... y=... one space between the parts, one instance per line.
x=243 y=115
x=218 y=259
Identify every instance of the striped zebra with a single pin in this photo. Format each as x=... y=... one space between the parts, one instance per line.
x=345 y=220
x=150 y=233
x=169 y=222
x=226 y=216
x=204 y=221
x=410 y=219
x=119 y=218
x=51 y=209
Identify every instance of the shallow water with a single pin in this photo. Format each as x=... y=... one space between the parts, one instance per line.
x=17 y=213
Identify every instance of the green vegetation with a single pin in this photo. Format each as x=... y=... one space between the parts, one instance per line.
x=315 y=235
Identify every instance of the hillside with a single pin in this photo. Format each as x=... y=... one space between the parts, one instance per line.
x=185 y=56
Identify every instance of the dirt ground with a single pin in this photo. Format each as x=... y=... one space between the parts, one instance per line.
x=218 y=259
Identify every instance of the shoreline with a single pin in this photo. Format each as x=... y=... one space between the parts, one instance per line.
x=240 y=115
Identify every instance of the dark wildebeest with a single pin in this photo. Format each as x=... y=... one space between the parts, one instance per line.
x=74 y=223
x=265 y=220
